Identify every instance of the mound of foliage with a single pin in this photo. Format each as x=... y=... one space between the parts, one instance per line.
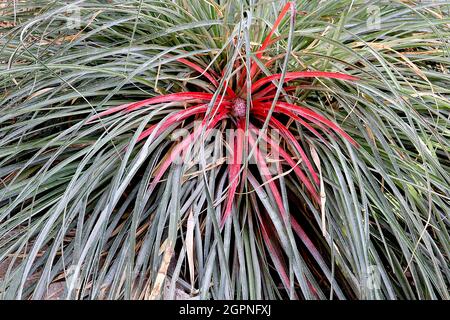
x=224 y=149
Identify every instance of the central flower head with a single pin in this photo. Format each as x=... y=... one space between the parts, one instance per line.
x=239 y=107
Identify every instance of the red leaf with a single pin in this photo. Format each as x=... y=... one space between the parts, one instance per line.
x=264 y=93
x=302 y=74
x=265 y=172
x=307 y=113
x=207 y=75
x=290 y=138
x=181 y=96
x=293 y=165
x=293 y=116
x=234 y=169
x=179 y=116
x=172 y=97
x=296 y=227
x=109 y=111
x=289 y=5
x=183 y=145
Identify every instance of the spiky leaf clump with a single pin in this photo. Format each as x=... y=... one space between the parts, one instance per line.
x=119 y=178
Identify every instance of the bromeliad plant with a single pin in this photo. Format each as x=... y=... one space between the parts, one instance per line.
x=178 y=149
x=236 y=106
x=248 y=109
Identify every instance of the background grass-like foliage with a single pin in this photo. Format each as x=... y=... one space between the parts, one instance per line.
x=75 y=208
